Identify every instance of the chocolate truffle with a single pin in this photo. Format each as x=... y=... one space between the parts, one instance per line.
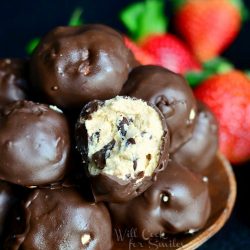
x=177 y=202
x=13 y=81
x=171 y=94
x=125 y=143
x=60 y=219
x=75 y=65
x=34 y=144
x=198 y=153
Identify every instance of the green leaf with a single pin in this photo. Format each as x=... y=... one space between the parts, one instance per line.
x=218 y=65
x=153 y=20
x=145 y=18
x=242 y=8
x=131 y=15
x=194 y=78
x=247 y=73
x=76 y=18
x=31 y=46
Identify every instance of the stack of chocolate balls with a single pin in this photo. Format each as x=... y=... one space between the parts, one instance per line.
x=91 y=141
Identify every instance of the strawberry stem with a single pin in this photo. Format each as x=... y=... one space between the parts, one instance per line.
x=145 y=18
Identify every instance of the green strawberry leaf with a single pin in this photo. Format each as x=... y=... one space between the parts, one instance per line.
x=131 y=15
x=31 y=46
x=242 y=8
x=194 y=78
x=247 y=73
x=76 y=18
x=145 y=18
x=218 y=65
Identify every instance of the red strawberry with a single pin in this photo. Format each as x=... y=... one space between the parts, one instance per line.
x=228 y=96
x=171 y=53
x=147 y=24
x=141 y=56
x=209 y=26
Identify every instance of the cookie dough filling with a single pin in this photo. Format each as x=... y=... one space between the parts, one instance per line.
x=124 y=138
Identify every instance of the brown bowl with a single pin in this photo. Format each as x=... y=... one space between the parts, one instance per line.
x=222 y=187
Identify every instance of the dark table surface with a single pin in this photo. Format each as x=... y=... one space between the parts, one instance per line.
x=23 y=20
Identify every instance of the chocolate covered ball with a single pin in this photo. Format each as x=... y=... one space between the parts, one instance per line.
x=177 y=202
x=13 y=81
x=199 y=152
x=124 y=144
x=34 y=144
x=60 y=219
x=75 y=65
x=171 y=94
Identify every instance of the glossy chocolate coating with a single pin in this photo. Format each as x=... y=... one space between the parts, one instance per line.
x=13 y=81
x=198 y=153
x=111 y=188
x=177 y=202
x=75 y=65
x=34 y=144
x=171 y=94
x=60 y=219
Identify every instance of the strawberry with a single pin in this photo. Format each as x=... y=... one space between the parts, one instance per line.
x=147 y=25
x=208 y=26
x=171 y=53
x=143 y=57
x=228 y=96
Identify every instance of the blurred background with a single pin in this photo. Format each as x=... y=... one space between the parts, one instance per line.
x=23 y=20
x=20 y=21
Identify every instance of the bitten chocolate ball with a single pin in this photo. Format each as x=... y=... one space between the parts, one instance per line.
x=13 y=81
x=177 y=202
x=124 y=142
x=60 y=219
x=198 y=153
x=171 y=94
x=34 y=144
x=75 y=65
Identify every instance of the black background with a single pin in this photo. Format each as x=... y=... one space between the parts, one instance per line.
x=21 y=21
